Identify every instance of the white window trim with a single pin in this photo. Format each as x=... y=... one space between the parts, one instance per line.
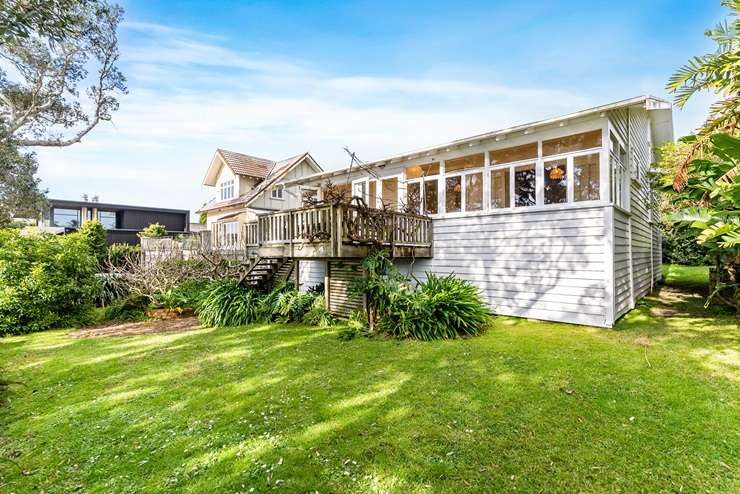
x=277 y=188
x=421 y=181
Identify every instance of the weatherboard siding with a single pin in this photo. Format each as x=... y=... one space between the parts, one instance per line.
x=545 y=265
x=310 y=274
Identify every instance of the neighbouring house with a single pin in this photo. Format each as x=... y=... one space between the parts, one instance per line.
x=553 y=219
x=247 y=186
x=121 y=222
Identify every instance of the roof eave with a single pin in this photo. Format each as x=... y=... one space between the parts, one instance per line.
x=650 y=103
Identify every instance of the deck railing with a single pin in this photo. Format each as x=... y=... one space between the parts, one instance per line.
x=330 y=227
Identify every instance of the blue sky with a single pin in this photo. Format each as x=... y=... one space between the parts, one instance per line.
x=274 y=79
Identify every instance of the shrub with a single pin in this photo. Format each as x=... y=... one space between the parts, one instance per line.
x=187 y=294
x=318 y=314
x=226 y=303
x=45 y=281
x=440 y=308
x=112 y=287
x=121 y=255
x=128 y=308
x=284 y=303
x=356 y=325
x=680 y=247
x=94 y=236
x=155 y=230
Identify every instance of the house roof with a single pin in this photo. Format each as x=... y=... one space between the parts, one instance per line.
x=649 y=102
x=244 y=164
x=276 y=171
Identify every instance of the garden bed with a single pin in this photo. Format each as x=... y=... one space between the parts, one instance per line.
x=172 y=325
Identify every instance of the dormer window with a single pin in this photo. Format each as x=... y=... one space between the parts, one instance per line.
x=227 y=189
x=277 y=192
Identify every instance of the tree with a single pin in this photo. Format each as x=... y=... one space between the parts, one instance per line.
x=93 y=234
x=19 y=190
x=50 y=56
x=718 y=72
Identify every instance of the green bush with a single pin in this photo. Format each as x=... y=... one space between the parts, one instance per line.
x=120 y=255
x=45 y=281
x=680 y=247
x=355 y=326
x=155 y=230
x=186 y=295
x=318 y=314
x=226 y=303
x=112 y=287
x=94 y=236
x=440 y=308
x=129 y=308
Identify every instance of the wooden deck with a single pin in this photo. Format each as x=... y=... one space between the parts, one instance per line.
x=327 y=231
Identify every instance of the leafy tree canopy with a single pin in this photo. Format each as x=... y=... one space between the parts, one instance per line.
x=19 y=190
x=60 y=77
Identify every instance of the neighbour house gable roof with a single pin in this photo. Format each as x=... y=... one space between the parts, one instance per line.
x=240 y=164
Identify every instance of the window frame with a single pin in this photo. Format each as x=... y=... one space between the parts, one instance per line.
x=227 y=186
x=463 y=187
x=276 y=192
x=422 y=185
x=115 y=219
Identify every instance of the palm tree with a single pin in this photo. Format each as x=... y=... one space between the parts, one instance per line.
x=718 y=72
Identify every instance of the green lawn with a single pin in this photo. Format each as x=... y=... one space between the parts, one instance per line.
x=532 y=406
x=686 y=276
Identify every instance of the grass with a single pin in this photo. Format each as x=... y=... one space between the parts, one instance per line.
x=532 y=406
x=686 y=276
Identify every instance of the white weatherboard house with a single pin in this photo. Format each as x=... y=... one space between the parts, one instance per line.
x=552 y=220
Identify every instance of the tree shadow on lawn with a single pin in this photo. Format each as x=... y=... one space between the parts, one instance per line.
x=293 y=408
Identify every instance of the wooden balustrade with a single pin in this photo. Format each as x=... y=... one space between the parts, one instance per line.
x=333 y=231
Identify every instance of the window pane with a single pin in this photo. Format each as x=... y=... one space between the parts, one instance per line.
x=309 y=196
x=360 y=190
x=525 y=190
x=107 y=219
x=390 y=193
x=474 y=192
x=516 y=153
x=422 y=170
x=69 y=218
x=556 y=182
x=431 y=197
x=453 y=194
x=413 y=196
x=576 y=142
x=472 y=161
x=372 y=193
x=500 y=188
x=586 y=177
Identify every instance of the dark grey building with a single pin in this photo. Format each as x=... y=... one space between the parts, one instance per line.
x=122 y=222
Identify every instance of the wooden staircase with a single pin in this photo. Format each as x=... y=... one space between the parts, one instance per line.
x=267 y=270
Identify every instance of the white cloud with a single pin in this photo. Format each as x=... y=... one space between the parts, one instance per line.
x=190 y=94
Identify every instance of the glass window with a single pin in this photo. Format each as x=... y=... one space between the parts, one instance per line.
x=500 y=188
x=568 y=144
x=107 y=219
x=431 y=197
x=525 y=188
x=453 y=194
x=413 y=196
x=69 y=218
x=227 y=189
x=419 y=171
x=309 y=196
x=556 y=181
x=516 y=153
x=277 y=192
x=390 y=192
x=474 y=192
x=464 y=163
x=372 y=194
x=359 y=189
x=586 y=177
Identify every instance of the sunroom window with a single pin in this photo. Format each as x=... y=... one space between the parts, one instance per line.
x=453 y=194
x=586 y=177
x=525 y=185
x=423 y=196
x=465 y=163
x=556 y=181
x=474 y=192
x=500 y=190
x=572 y=143
x=419 y=171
